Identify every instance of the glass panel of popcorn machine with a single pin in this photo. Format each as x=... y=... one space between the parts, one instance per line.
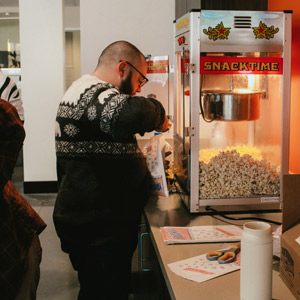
x=181 y=140
x=240 y=127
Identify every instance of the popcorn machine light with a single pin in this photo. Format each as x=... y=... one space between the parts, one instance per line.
x=231 y=109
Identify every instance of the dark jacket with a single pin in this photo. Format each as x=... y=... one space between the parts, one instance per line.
x=18 y=220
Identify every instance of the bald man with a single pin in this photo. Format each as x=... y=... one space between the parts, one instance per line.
x=104 y=182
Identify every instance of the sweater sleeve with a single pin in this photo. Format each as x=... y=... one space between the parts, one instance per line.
x=9 y=92
x=134 y=115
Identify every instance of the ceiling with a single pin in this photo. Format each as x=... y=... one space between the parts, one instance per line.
x=13 y=3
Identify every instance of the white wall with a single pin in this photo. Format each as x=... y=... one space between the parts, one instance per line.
x=42 y=60
x=148 y=24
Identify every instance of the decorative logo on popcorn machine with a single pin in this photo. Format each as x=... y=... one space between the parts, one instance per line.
x=264 y=32
x=219 y=32
x=232 y=81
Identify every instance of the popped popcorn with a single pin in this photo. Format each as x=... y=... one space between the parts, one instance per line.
x=236 y=172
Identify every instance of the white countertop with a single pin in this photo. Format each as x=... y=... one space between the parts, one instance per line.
x=171 y=212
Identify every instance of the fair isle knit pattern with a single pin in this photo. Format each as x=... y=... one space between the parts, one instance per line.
x=94 y=147
x=111 y=111
x=85 y=118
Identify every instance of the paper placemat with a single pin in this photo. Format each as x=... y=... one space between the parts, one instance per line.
x=201 y=234
x=200 y=269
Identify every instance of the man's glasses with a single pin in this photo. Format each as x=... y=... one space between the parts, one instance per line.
x=145 y=80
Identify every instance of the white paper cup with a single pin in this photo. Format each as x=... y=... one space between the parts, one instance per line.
x=256 y=261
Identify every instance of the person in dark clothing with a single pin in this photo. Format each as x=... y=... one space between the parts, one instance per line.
x=104 y=182
x=20 y=225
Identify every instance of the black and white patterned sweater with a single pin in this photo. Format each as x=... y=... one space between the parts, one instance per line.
x=94 y=119
x=103 y=178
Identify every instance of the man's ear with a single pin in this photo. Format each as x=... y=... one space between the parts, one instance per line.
x=122 y=69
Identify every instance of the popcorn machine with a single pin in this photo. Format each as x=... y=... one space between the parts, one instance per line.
x=231 y=109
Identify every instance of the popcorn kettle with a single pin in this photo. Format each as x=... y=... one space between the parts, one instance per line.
x=230 y=106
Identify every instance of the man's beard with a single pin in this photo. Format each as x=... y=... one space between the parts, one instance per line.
x=125 y=87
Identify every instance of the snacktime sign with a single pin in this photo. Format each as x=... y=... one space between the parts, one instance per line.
x=241 y=65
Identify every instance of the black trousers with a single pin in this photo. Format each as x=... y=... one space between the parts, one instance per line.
x=104 y=272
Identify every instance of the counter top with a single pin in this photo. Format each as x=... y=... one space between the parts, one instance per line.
x=170 y=211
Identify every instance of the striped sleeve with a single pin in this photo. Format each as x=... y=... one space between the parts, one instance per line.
x=10 y=93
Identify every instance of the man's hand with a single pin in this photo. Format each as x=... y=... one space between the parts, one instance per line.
x=165 y=126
